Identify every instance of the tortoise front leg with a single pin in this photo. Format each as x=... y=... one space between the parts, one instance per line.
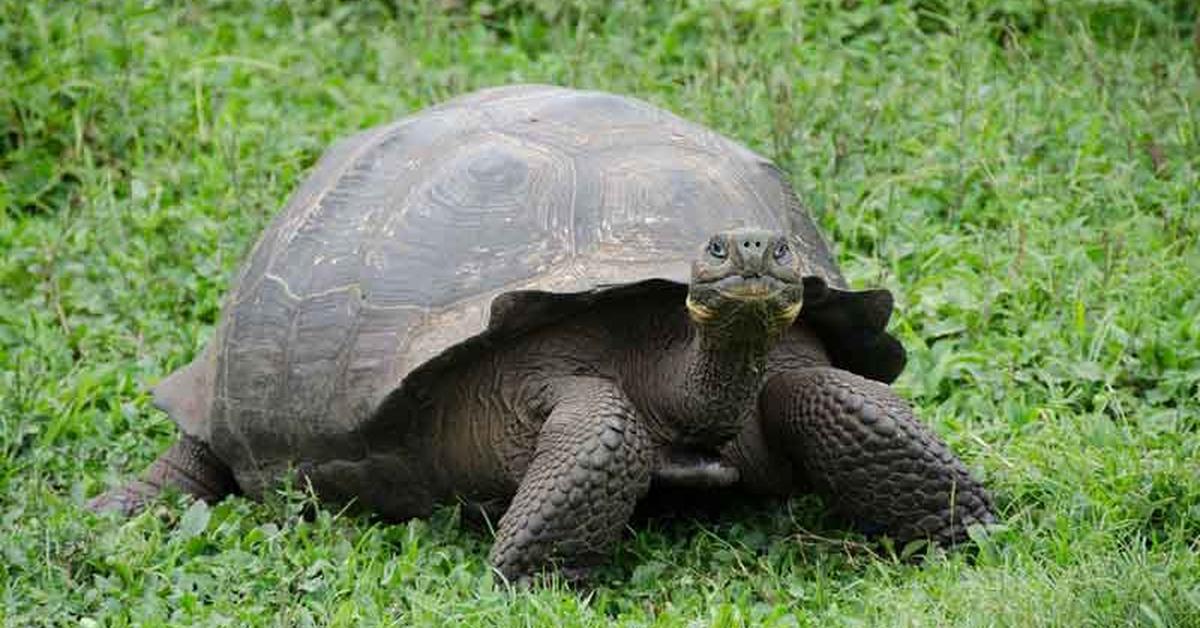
x=859 y=445
x=590 y=467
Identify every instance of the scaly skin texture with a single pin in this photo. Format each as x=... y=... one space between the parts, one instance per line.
x=590 y=468
x=188 y=465
x=858 y=445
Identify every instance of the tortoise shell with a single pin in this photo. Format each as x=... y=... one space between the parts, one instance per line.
x=412 y=244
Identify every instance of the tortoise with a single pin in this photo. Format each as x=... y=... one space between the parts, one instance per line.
x=539 y=302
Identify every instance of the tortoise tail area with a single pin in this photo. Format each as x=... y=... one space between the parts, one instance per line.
x=186 y=395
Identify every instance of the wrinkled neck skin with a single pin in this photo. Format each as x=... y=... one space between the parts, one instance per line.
x=717 y=374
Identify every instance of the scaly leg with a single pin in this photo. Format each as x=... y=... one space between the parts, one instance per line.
x=188 y=465
x=590 y=467
x=860 y=446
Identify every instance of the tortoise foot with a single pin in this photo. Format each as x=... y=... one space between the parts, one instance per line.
x=126 y=500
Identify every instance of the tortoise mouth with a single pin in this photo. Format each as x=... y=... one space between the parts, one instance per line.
x=740 y=288
x=735 y=296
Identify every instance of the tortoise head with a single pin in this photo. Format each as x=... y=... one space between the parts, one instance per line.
x=747 y=277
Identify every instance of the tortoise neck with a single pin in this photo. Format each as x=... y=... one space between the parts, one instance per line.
x=719 y=372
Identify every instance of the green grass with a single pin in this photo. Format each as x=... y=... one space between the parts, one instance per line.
x=1025 y=179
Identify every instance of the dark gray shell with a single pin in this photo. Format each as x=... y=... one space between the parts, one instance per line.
x=394 y=250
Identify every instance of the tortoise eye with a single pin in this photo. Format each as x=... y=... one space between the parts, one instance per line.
x=716 y=248
x=782 y=251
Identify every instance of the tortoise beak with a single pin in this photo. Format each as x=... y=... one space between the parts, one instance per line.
x=749 y=288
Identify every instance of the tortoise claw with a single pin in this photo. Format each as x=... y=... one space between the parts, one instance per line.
x=575 y=577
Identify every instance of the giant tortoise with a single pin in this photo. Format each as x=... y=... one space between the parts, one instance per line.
x=539 y=302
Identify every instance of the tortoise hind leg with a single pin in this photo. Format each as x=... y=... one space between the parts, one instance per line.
x=860 y=446
x=189 y=466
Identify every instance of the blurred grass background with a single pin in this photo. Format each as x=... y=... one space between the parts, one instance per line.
x=1023 y=174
